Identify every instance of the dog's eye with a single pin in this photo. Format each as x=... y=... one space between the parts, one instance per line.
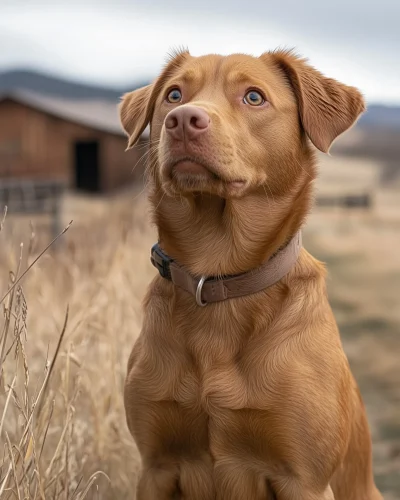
x=174 y=96
x=253 y=98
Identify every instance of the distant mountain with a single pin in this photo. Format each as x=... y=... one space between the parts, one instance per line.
x=54 y=86
x=383 y=117
x=377 y=115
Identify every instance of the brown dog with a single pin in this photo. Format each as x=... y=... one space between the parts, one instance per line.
x=251 y=396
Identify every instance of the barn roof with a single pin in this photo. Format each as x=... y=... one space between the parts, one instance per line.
x=94 y=113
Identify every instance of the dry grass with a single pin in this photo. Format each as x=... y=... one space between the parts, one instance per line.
x=62 y=425
x=60 y=428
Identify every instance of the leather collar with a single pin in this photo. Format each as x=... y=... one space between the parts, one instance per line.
x=209 y=289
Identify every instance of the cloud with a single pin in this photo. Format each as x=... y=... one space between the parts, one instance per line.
x=119 y=41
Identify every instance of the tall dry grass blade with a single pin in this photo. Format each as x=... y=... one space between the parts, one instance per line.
x=4 y=218
x=57 y=452
x=5 y=480
x=31 y=239
x=76 y=488
x=34 y=262
x=53 y=362
x=10 y=391
x=90 y=483
x=13 y=466
x=8 y=312
x=39 y=487
x=47 y=427
x=67 y=451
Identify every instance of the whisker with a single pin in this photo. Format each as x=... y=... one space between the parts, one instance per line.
x=149 y=153
x=270 y=192
x=304 y=170
x=269 y=202
x=159 y=203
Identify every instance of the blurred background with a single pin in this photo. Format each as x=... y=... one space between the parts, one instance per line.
x=63 y=67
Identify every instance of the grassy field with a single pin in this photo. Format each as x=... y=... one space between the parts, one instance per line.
x=62 y=424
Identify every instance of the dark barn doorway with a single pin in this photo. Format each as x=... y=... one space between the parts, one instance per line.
x=87 y=172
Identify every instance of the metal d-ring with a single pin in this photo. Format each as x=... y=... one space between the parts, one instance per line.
x=198 y=292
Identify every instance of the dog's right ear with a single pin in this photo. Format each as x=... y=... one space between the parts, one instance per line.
x=136 y=108
x=135 y=113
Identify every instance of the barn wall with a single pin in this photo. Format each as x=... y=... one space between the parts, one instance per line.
x=122 y=167
x=62 y=136
x=36 y=144
x=13 y=145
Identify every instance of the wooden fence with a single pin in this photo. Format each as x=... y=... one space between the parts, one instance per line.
x=363 y=201
x=32 y=196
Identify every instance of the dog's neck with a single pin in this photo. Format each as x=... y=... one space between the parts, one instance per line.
x=212 y=236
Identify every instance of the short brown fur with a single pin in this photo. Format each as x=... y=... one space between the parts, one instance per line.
x=251 y=398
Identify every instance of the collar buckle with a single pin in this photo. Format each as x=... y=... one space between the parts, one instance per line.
x=200 y=302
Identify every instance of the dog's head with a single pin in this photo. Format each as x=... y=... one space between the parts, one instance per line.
x=230 y=125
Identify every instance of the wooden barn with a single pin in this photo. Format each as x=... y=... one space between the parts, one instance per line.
x=78 y=142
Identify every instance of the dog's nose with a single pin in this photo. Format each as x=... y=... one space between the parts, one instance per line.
x=187 y=123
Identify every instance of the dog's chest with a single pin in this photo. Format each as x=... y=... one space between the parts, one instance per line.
x=215 y=368
x=202 y=377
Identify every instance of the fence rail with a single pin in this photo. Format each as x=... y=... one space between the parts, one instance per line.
x=363 y=200
x=32 y=196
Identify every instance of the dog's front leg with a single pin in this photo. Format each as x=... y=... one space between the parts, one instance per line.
x=196 y=480
x=235 y=481
x=159 y=483
x=186 y=479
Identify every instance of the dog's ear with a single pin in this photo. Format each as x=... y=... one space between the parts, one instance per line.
x=135 y=113
x=327 y=108
x=137 y=107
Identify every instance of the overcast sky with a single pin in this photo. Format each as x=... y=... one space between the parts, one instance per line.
x=115 y=42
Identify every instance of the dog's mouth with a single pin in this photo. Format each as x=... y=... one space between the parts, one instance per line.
x=194 y=174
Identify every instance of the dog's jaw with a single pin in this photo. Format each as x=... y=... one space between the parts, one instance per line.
x=216 y=235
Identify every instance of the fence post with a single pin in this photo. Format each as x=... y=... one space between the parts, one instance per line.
x=56 y=210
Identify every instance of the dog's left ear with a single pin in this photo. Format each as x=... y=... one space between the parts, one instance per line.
x=327 y=108
x=135 y=113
